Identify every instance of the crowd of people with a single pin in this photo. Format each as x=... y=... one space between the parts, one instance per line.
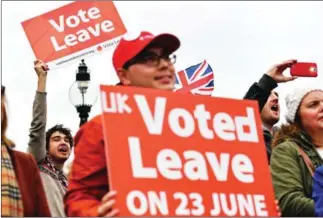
x=34 y=184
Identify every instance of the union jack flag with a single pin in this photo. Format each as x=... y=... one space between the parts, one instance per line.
x=197 y=79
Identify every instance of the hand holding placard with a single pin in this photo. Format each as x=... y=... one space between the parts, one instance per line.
x=41 y=69
x=106 y=209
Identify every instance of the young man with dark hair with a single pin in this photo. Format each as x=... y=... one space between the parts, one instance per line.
x=268 y=99
x=61 y=129
x=146 y=61
x=50 y=149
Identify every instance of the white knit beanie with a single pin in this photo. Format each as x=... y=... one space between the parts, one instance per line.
x=294 y=99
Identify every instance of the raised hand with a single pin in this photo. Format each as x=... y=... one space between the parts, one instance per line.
x=41 y=68
x=276 y=71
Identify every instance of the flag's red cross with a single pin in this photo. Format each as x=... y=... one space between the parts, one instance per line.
x=188 y=85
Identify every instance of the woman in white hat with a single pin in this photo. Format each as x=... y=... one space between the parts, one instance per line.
x=298 y=150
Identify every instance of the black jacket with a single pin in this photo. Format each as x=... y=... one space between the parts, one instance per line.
x=260 y=92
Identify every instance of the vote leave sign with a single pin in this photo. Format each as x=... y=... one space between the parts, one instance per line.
x=172 y=154
x=73 y=31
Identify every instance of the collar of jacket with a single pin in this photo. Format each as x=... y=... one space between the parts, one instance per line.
x=294 y=133
x=291 y=132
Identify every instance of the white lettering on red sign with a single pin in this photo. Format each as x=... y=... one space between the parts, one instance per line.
x=224 y=126
x=191 y=164
x=82 y=35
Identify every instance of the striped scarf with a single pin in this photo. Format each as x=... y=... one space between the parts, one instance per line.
x=47 y=166
x=11 y=202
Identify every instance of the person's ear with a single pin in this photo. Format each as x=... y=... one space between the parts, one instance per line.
x=123 y=76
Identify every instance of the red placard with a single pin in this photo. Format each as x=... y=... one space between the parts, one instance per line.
x=172 y=154
x=74 y=30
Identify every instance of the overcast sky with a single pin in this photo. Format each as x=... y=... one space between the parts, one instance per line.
x=240 y=40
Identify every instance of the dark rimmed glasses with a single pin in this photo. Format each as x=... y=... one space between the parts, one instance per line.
x=150 y=59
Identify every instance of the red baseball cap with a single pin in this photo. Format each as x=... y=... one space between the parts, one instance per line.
x=128 y=49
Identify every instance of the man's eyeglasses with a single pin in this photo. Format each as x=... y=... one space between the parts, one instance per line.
x=3 y=89
x=150 y=60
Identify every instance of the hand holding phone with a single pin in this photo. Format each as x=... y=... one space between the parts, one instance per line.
x=304 y=69
x=277 y=70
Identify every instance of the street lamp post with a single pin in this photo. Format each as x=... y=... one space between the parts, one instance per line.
x=81 y=94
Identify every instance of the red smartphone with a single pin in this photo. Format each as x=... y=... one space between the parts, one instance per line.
x=304 y=69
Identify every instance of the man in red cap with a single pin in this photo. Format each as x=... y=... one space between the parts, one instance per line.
x=146 y=61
